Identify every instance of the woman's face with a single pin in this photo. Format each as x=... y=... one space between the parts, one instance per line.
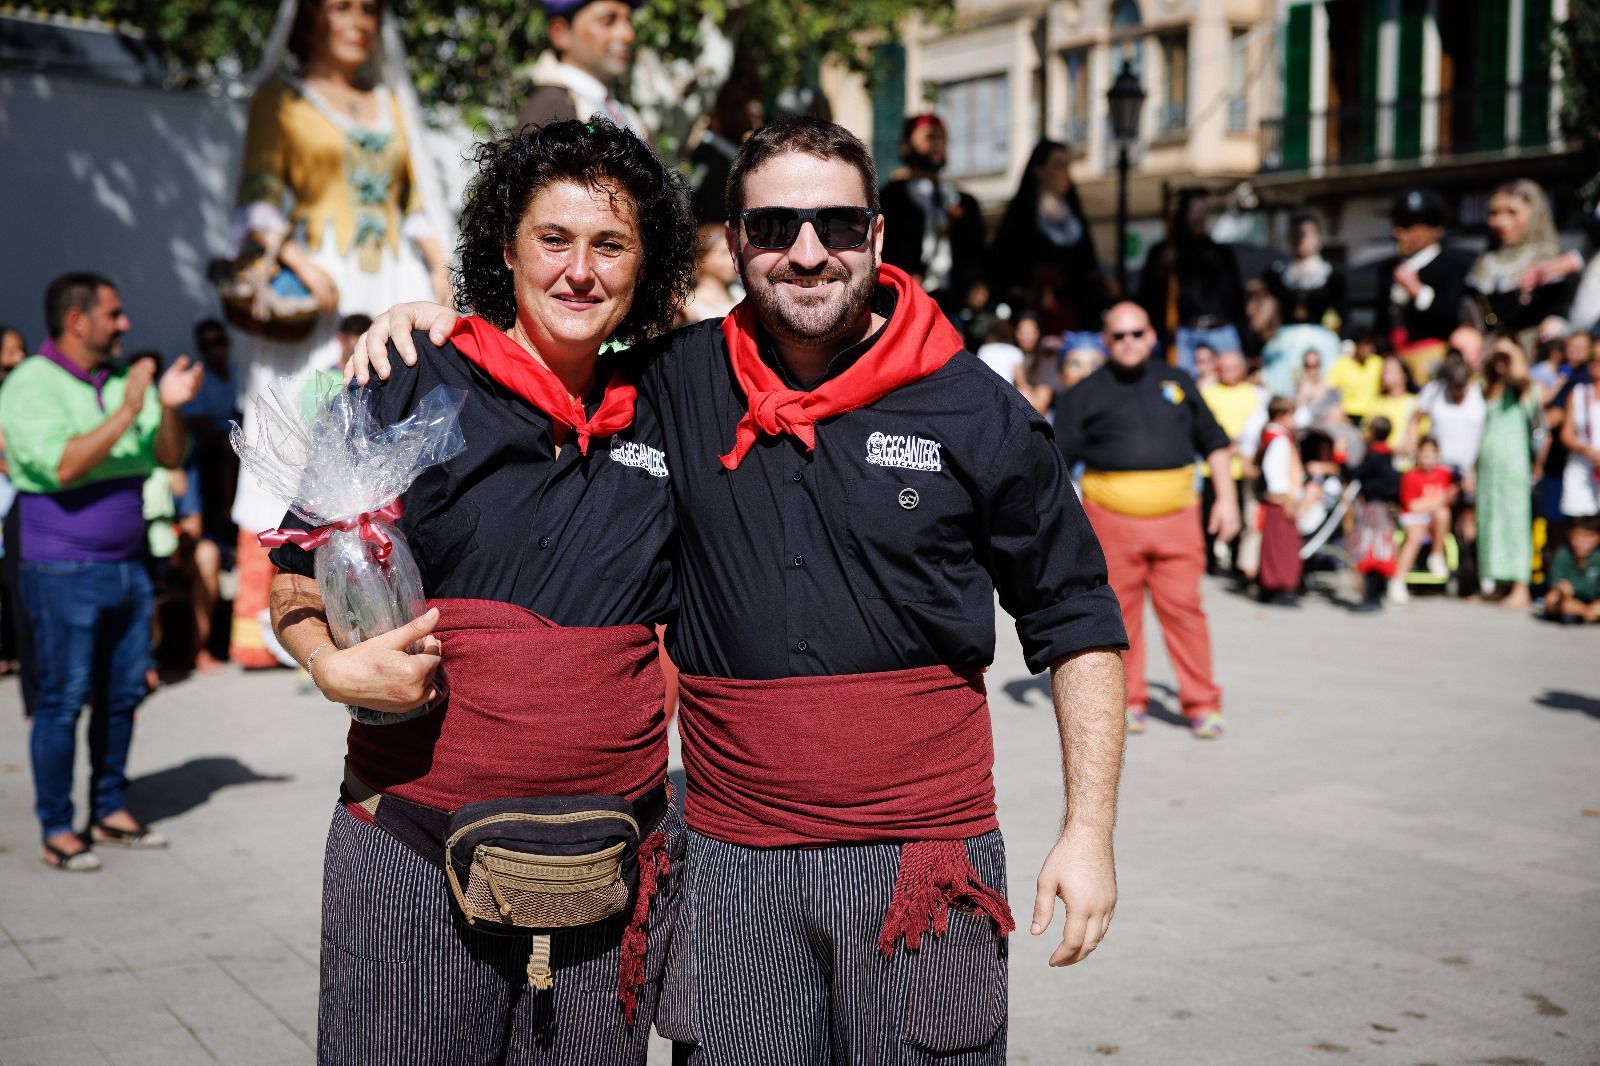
x=1307 y=240
x=1027 y=334
x=344 y=32
x=576 y=260
x=1394 y=376
x=1312 y=365
x=11 y=350
x=716 y=262
x=1508 y=218
x=1055 y=173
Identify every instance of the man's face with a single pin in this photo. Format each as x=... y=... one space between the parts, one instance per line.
x=927 y=146
x=101 y=328
x=1584 y=542
x=1231 y=368
x=1427 y=457
x=807 y=293
x=213 y=345
x=598 y=38
x=1129 y=337
x=1576 y=350
x=11 y=350
x=1409 y=240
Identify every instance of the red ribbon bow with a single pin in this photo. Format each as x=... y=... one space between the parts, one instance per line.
x=365 y=523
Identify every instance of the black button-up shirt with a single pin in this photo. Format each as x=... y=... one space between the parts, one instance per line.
x=883 y=549
x=1149 y=418
x=581 y=540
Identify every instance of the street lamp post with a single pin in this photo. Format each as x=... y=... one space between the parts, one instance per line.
x=1125 y=99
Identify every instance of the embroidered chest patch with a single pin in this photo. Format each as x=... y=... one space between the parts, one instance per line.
x=640 y=456
x=904 y=451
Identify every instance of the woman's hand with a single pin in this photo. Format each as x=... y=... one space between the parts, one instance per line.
x=372 y=355
x=382 y=673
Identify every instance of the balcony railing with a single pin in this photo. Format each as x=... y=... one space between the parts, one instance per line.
x=1407 y=131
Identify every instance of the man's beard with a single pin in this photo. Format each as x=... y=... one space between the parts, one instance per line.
x=814 y=321
x=922 y=161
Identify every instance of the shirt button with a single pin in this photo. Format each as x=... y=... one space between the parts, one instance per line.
x=544 y=542
x=797 y=476
x=799 y=560
x=801 y=645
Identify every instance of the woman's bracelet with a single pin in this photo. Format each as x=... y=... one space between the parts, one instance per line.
x=311 y=661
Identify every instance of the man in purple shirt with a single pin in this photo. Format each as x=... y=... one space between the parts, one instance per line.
x=83 y=433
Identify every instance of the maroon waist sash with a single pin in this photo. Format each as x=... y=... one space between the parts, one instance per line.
x=904 y=756
x=533 y=709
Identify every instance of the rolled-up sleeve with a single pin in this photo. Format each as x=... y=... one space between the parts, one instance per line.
x=1046 y=561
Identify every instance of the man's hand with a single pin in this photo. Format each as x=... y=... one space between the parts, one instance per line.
x=372 y=354
x=1081 y=872
x=382 y=673
x=1224 y=524
x=181 y=382
x=136 y=385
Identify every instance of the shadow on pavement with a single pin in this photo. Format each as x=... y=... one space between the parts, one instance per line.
x=1557 y=700
x=1162 y=709
x=178 y=789
x=1023 y=689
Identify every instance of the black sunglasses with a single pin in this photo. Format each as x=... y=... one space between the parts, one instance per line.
x=1132 y=334
x=772 y=229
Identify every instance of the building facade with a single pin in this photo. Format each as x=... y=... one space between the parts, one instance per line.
x=1275 y=105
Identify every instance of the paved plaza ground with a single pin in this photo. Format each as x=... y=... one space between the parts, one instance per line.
x=1394 y=857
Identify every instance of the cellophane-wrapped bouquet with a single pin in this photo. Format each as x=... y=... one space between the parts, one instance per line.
x=318 y=447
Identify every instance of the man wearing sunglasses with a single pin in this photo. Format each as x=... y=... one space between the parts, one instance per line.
x=1137 y=426
x=852 y=490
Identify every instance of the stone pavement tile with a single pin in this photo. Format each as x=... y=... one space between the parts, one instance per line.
x=30 y=1007
x=14 y=964
x=284 y=985
x=248 y=1045
x=204 y=997
x=62 y=1048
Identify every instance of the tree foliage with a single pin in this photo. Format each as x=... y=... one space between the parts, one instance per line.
x=1578 y=44
x=474 y=58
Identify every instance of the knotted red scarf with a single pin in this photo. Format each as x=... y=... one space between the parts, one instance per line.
x=905 y=755
x=917 y=341
x=533 y=709
x=514 y=366
x=366 y=524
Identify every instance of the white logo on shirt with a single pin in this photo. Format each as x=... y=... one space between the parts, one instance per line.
x=904 y=451
x=641 y=456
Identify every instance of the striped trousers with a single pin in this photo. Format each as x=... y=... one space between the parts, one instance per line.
x=774 y=962
x=405 y=982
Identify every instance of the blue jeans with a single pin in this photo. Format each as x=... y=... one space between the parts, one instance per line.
x=1219 y=339
x=91 y=624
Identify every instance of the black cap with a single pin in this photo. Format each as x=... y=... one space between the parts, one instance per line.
x=1418 y=207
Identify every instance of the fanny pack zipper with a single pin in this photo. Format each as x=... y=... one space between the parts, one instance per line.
x=547 y=819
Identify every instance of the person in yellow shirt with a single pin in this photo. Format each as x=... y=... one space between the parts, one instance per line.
x=1239 y=408
x=1358 y=377
x=1396 y=401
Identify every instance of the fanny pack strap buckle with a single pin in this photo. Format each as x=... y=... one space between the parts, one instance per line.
x=540 y=976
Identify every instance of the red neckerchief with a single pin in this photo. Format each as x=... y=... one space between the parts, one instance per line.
x=513 y=366
x=917 y=341
x=1379 y=447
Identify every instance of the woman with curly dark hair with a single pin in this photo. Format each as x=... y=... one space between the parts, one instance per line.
x=537 y=782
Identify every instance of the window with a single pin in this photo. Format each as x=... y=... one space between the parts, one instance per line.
x=1125 y=41
x=1175 y=99
x=1238 y=82
x=978 y=113
x=1076 y=133
x=1125 y=15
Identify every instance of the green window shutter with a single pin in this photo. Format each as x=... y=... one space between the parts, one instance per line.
x=1296 y=131
x=1536 y=46
x=888 y=105
x=1365 y=110
x=1489 y=101
x=1408 y=98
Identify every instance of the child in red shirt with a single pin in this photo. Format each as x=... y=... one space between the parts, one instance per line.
x=1427 y=493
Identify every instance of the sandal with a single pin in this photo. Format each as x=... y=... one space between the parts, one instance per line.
x=141 y=838
x=72 y=862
